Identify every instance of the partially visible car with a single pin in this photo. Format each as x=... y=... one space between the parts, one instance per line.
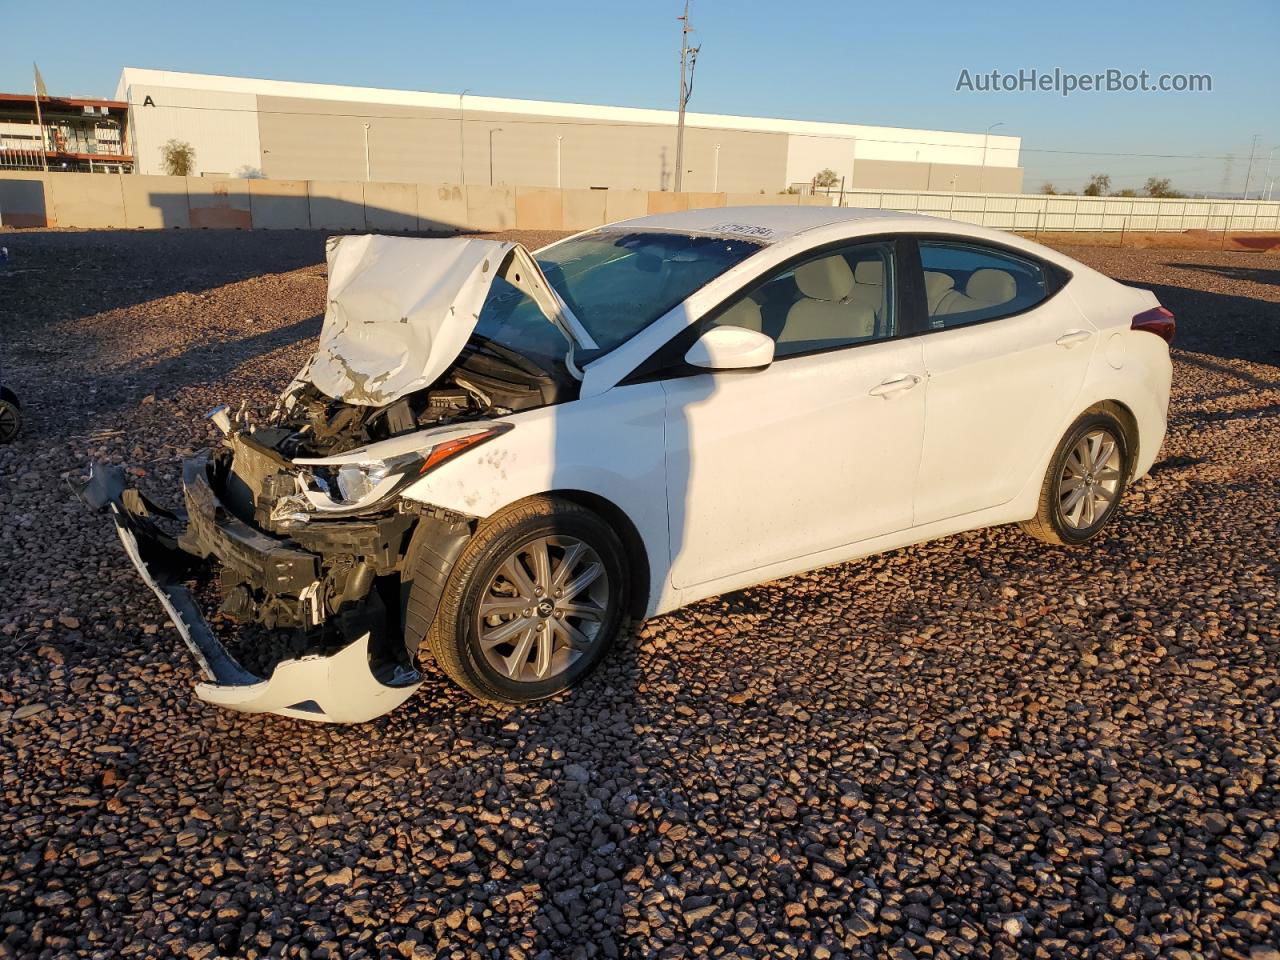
x=498 y=457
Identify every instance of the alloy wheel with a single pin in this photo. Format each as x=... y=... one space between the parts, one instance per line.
x=1090 y=480
x=543 y=608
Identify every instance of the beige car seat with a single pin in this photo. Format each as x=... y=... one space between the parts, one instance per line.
x=826 y=313
x=986 y=288
x=868 y=286
x=936 y=286
x=744 y=313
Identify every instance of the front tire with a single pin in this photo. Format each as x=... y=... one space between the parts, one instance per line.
x=1084 y=483
x=533 y=604
x=10 y=419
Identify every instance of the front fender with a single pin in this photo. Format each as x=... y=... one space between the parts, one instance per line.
x=612 y=446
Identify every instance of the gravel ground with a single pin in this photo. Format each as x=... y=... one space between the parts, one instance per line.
x=977 y=747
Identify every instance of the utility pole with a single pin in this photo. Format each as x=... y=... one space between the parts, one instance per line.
x=1253 y=147
x=986 y=139
x=41 y=91
x=492 y=131
x=689 y=58
x=462 y=141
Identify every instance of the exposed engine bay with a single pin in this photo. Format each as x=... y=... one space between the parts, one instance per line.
x=296 y=523
x=256 y=476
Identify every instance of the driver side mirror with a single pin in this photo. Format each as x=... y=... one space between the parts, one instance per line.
x=731 y=348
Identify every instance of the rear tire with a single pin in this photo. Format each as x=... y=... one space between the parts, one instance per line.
x=533 y=604
x=1084 y=483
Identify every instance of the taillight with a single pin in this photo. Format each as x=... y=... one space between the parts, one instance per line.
x=1157 y=320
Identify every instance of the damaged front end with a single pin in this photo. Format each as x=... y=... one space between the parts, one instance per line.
x=295 y=529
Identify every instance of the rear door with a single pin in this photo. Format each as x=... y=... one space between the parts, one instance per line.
x=1006 y=358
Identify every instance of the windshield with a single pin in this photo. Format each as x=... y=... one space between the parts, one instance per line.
x=616 y=282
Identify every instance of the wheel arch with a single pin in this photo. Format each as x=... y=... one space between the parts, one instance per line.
x=1128 y=422
x=632 y=542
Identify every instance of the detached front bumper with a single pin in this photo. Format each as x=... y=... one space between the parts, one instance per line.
x=350 y=686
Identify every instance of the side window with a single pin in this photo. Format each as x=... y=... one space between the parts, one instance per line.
x=835 y=299
x=967 y=283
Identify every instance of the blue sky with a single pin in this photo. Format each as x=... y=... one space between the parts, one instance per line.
x=893 y=63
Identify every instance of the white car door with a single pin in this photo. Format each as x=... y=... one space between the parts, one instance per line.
x=818 y=450
x=1005 y=359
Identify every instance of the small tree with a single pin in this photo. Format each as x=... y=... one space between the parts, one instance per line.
x=179 y=158
x=1099 y=185
x=1126 y=192
x=1159 y=187
x=826 y=178
x=1048 y=189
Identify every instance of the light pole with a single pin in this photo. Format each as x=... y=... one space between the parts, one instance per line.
x=715 y=176
x=1253 y=147
x=1266 y=175
x=492 y=131
x=559 y=141
x=986 y=139
x=462 y=142
x=366 y=152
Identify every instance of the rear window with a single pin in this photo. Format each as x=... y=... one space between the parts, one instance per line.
x=968 y=283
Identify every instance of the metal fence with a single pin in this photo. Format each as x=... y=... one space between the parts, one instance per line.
x=1035 y=213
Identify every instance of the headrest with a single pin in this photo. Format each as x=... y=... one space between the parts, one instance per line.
x=991 y=286
x=744 y=313
x=827 y=279
x=936 y=284
x=869 y=271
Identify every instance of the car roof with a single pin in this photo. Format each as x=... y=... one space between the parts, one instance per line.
x=766 y=222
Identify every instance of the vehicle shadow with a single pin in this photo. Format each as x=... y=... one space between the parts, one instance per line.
x=1267 y=275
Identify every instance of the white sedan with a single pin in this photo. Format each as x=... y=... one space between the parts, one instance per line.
x=498 y=457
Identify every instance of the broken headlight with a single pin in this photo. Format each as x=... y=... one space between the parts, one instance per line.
x=356 y=482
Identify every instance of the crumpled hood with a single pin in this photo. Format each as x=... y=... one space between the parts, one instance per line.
x=400 y=309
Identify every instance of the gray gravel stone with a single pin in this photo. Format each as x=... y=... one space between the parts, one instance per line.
x=980 y=747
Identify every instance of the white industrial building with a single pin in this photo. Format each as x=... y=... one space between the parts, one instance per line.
x=243 y=127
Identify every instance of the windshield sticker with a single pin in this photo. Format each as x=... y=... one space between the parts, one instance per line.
x=745 y=230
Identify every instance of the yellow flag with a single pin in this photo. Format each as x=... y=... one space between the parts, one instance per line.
x=41 y=90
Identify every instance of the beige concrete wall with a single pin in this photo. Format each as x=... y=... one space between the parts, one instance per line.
x=156 y=202
x=583 y=209
x=391 y=207
x=442 y=207
x=337 y=205
x=219 y=204
x=491 y=208
x=109 y=201
x=762 y=199
x=536 y=206
x=280 y=204
x=625 y=204
x=90 y=200
x=24 y=200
